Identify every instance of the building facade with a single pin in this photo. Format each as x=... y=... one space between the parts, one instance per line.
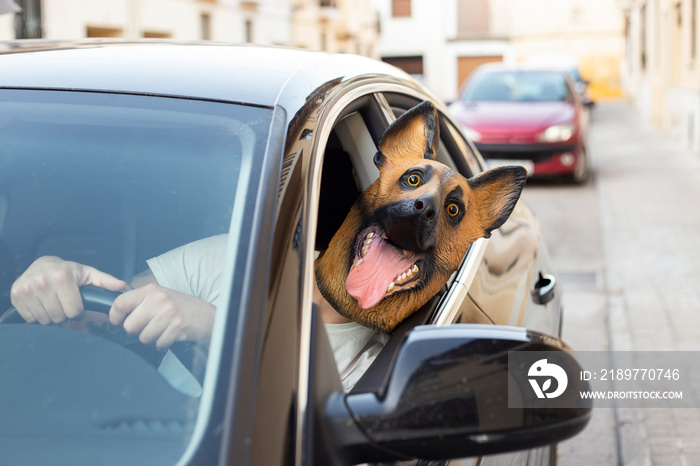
x=442 y=42
x=338 y=26
x=223 y=20
x=439 y=42
x=661 y=72
x=331 y=25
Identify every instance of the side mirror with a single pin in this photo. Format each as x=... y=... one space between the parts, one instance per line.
x=448 y=396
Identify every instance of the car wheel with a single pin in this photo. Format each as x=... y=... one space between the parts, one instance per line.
x=582 y=170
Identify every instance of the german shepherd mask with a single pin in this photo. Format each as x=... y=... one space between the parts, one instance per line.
x=409 y=230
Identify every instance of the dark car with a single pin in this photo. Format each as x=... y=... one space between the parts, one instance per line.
x=112 y=153
x=528 y=116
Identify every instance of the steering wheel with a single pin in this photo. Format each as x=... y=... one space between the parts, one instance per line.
x=101 y=300
x=94 y=298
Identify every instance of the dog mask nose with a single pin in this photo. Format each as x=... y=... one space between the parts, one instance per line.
x=425 y=207
x=411 y=224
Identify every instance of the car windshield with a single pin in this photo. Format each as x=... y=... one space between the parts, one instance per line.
x=110 y=181
x=517 y=86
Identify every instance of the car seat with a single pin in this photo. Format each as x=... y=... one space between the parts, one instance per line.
x=338 y=192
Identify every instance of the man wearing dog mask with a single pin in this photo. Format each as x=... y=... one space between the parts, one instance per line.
x=399 y=244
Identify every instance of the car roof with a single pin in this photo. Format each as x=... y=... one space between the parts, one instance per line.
x=258 y=75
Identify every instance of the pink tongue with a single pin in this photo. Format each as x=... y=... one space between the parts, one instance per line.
x=367 y=283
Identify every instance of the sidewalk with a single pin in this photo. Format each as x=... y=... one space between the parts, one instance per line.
x=649 y=203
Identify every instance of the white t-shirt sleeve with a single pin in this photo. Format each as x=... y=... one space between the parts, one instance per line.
x=194 y=269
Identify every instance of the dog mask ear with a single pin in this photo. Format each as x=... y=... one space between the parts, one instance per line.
x=413 y=135
x=496 y=191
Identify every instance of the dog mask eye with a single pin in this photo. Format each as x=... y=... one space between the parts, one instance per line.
x=413 y=180
x=453 y=210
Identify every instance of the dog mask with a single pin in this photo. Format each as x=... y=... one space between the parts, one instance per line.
x=409 y=230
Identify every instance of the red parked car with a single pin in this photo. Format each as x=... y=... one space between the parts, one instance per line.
x=528 y=116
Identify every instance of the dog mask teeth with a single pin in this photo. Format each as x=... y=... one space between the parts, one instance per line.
x=403 y=278
x=367 y=243
x=407 y=275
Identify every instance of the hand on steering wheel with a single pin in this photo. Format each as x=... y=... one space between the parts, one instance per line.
x=101 y=300
x=94 y=298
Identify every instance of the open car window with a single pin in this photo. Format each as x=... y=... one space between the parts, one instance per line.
x=348 y=169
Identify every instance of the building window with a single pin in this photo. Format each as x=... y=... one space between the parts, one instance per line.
x=576 y=16
x=400 y=8
x=473 y=19
x=205 y=25
x=28 y=21
x=324 y=40
x=156 y=35
x=93 y=31
x=412 y=65
x=249 y=31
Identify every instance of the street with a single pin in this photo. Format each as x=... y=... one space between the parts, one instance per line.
x=627 y=248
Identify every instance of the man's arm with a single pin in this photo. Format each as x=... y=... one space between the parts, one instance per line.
x=144 y=278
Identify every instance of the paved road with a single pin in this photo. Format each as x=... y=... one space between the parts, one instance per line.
x=627 y=247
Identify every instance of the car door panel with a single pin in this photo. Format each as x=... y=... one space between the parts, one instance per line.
x=511 y=265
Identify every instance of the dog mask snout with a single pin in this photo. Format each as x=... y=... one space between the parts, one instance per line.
x=411 y=225
x=425 y=207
